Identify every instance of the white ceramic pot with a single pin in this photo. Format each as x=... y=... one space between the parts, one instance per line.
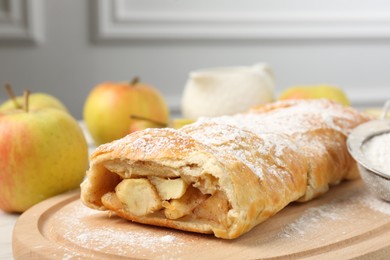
x=227 y=90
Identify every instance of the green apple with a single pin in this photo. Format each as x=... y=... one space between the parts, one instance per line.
x=109 y=108
x=36 y=100
x=43 y=152
x=316 y=91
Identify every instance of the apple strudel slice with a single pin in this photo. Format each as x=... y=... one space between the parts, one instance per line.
x=224 y=175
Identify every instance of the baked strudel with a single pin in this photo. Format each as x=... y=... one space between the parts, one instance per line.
x=224 y=175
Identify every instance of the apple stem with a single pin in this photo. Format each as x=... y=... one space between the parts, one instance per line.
x=134 y=81
x=11 y=94
x=26 y=95
x=149 y=120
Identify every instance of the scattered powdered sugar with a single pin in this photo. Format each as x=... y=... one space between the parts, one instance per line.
x=167 y=238
x=276 y=130
x=120 y=236
x=375 y=203
x=227 y=141
x=149 y=142
x=105 y=237
x=377 y=150
x=344 y=210
x=312 y=219
x=295 y=116
x=344 y=214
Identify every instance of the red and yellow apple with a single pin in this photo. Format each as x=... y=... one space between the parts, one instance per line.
x=315 y=91
x=110 y=107
x=43 y=152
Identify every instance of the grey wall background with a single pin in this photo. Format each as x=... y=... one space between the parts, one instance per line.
x=66 y=47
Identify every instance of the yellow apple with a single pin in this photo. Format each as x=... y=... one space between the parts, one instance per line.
x=144 y=123
x=109 y=108
x=315 y=91
x=375 y=112
x=36 y=100
x=43 y=152
x=177 y=123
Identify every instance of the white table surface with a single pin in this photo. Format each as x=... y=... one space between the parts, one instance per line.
x=7 y=222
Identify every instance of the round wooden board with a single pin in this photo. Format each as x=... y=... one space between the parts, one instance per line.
x=347 y=222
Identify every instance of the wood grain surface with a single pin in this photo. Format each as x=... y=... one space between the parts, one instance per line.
x=347 y=222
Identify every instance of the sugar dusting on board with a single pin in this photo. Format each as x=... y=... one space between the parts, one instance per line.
x=83 y=232
x=126 y=242
x=319 y=218
x=312 y=219
x=374 y=203
x=315 y=219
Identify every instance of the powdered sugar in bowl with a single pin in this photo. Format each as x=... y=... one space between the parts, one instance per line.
x=369 y=145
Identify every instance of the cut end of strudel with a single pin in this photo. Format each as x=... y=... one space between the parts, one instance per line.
x=224 y=175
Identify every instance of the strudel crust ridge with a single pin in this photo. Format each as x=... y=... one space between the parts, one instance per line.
x=224 y=175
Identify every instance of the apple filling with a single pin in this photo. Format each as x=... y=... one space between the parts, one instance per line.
x=176 y=198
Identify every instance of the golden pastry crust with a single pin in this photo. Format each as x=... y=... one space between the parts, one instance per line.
x=239 y=170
